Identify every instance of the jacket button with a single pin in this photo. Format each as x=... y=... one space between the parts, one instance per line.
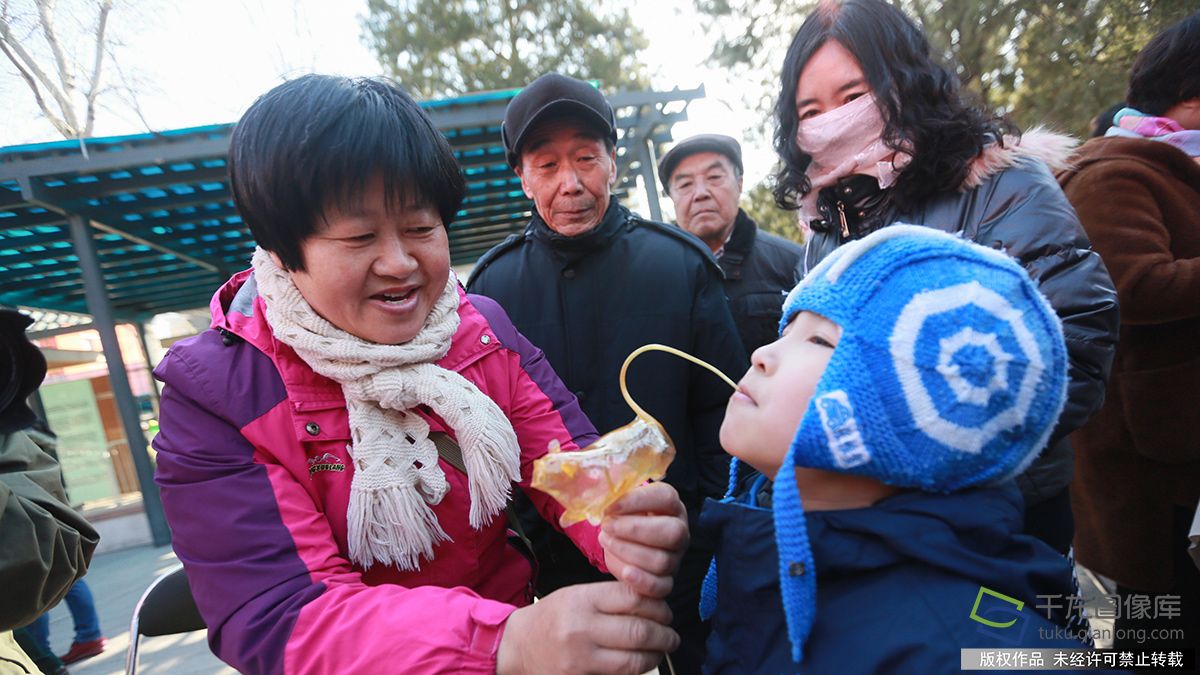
x=485 y=339
x=312 y=428
x=796 y=569
x=569 y=273
x=581 y=395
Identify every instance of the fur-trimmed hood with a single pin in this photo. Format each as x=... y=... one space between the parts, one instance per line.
x=1039 y=142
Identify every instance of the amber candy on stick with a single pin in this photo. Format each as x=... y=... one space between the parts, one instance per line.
x=587 y=482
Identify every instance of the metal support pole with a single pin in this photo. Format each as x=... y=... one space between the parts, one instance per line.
x=102 y=317
x=649 y=179
x=141 y=331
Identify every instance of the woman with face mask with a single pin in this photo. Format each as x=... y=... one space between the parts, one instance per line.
x=871 y=130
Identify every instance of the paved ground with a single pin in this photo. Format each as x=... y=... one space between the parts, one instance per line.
x=117 y=580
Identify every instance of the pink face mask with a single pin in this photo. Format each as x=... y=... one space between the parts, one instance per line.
x=836 y=135
x=844 y=141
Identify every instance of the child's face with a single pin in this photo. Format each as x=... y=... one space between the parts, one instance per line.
x=763 y=416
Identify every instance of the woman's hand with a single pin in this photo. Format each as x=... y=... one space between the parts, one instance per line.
x=604 y=627
x=643 y=535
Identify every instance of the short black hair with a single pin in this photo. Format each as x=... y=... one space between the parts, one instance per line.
x=1167 y=70
x=312 y=144
x=923 y=109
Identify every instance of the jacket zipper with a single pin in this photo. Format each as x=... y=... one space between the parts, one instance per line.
x=842 y=216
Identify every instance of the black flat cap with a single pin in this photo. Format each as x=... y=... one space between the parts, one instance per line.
x=718 y=143
x=553 y=93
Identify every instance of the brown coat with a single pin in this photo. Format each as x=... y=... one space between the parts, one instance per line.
x=1139 y=457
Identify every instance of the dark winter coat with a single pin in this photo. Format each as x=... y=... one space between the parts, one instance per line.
x=589 y=301
x=896 y=585
x=1139 y=458
x=760 y=268
x=1010 y=201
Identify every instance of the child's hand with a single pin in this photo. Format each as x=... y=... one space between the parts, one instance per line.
x=643 y=535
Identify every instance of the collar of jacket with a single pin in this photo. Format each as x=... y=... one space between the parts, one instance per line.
x=1162 y=157
x=594 y=239
x=741 y=241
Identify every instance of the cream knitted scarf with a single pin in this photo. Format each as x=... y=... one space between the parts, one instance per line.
x=396 y=473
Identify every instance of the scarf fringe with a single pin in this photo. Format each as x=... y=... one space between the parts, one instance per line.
x=491 y=469
x=391 y=526
x=397 y=476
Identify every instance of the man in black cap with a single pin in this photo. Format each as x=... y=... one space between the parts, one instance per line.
x=703 y=177
x=588 y=282
x=45 y=545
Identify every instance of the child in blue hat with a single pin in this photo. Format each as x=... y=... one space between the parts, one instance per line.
x=876 y=527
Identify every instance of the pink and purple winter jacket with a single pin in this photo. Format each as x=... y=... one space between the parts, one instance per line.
x=255 y=479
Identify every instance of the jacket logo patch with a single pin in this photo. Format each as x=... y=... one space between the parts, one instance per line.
x=325 y=462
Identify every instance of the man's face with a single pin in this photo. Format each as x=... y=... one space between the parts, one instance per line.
x=705 y=188
x=566 y=170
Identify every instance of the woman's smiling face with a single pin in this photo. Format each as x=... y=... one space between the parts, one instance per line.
x=375 y=270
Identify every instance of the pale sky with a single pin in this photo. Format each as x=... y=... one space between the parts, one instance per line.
x=200 y=62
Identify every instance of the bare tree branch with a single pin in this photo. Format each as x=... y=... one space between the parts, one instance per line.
x=37 y=92
x=94 y=81
x=30 y=64
x=66 y=72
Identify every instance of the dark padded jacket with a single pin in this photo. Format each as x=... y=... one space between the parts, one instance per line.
x=45 y=545
x=1010 y=201
x=897 y=585
x=589 y=301
x=760 y=268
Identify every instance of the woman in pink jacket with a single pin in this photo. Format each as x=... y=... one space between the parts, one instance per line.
x=319 y=527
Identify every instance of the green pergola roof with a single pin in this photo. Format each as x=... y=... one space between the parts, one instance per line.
x=165 y=229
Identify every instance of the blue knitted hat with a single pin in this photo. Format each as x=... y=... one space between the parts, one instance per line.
x=951 y=372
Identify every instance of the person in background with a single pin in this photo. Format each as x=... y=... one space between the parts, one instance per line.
x=307 y=443
x=88 y=641
x=45 y=545
x=589 y=282
x=1104 y=121
x=703 y=177
x=873 y=130
x=1137 y=473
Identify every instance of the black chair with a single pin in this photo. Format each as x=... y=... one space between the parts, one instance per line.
x=166 y=608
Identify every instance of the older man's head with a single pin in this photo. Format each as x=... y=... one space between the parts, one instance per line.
x=703 y=177
x=559 y=135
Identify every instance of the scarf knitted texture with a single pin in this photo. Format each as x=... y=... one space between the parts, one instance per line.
x=1131 y=123
x=845 y=141
x=396 y=474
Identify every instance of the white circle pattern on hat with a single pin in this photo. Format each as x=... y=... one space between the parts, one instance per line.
x=911 y=362
x=965 y=390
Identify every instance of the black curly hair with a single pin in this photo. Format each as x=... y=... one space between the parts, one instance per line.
x=919 y=99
